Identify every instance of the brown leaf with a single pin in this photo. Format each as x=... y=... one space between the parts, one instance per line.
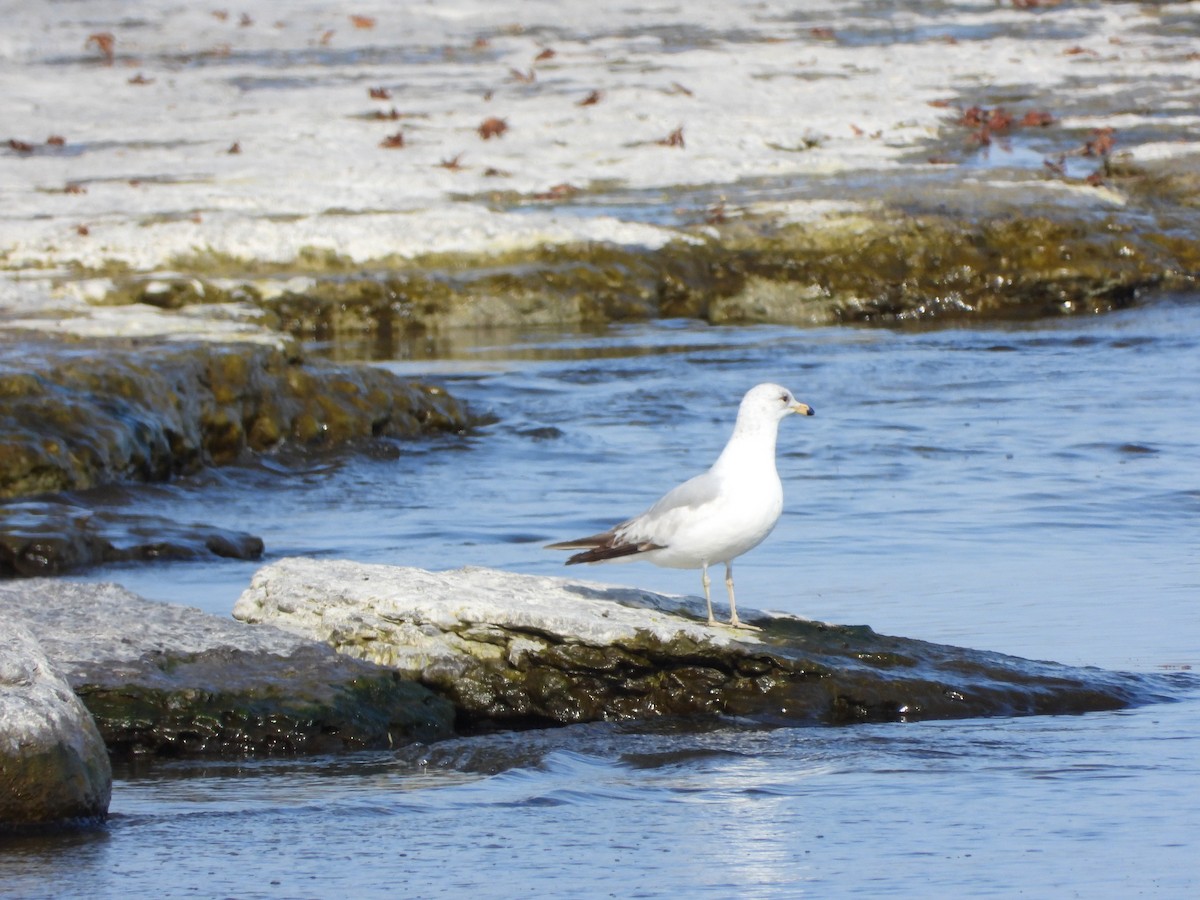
x=1101 y=143
x=591 y=99
x=523 y=77
x=454 y=163
x=492 y=127
x=56 y=140
x=104 y=42
x=379 y=93
x=674 y=139
x=20 y=146
x=139 y=78
x=393 y=141
x=1037 y=118
x=558 y=192
x=364 y=22
x=545 y=55
x=234 y=148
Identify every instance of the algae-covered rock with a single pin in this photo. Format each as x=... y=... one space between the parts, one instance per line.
x=54 y=769
x=514 y=650
x=76 y=415
x=882 y=268
x=173 y=681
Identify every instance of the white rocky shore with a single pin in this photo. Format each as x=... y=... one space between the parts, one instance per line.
x=268 y=133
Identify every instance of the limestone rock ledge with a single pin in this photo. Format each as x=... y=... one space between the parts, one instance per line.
x=514 y=650
x=54 y=770
x=174 y=681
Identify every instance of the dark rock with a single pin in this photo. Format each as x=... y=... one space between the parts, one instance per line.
x=52 y=535
x=513 y=650
x=169 y=680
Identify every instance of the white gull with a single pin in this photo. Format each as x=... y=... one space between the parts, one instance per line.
x=714 y=517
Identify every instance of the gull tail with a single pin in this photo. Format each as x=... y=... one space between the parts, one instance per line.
x=600 y=547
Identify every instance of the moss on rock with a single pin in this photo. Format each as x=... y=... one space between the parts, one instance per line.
x=73 y=416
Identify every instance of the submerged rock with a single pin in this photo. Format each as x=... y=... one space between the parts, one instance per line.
x=169 y=680
x=54 y=770
x=514 y=650
x=51 y=535
x=76 y=415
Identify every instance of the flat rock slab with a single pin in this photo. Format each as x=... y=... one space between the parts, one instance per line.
x=515 y=650
x=171 y=680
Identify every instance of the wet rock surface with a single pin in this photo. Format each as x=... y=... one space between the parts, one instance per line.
x=53 y=535
x=76 y=415
x=54 y=770
x=173 y=681
x=513 y=651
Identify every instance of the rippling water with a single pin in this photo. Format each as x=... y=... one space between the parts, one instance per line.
x=1029 y=489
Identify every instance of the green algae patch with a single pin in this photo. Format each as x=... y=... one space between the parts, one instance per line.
x=75 y=416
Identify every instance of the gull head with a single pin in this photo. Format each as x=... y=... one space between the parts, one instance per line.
x=771 y=402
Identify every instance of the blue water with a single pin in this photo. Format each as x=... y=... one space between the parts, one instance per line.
x=1032 y=489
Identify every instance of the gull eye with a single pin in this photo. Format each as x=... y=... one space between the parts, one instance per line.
x=786 y=398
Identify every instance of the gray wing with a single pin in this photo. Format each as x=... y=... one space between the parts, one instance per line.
x=638 y=535
x=692 y=493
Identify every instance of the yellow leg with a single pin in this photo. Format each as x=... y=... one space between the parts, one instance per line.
x=704 y=580
x=733 y=617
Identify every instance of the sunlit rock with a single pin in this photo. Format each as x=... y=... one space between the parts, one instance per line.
x=170 y=680
x=54 y=769
x=514 y=650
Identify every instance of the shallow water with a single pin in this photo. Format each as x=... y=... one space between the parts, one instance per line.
x=1029 y=489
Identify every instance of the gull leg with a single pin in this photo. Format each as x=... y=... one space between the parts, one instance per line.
x=733 y=618
x=734 y=622
x=704 y=580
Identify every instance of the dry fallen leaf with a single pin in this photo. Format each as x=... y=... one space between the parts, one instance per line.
x=104 y=42
x=393 y=141
x=591 y=99
x=1037 y=118
x=674 y=139
x=364 y=22
x=492 y=127
x=379 y=93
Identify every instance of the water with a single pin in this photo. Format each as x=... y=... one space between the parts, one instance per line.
x=1033 y=489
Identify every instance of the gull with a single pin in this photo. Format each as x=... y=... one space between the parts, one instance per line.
x=716 y=516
